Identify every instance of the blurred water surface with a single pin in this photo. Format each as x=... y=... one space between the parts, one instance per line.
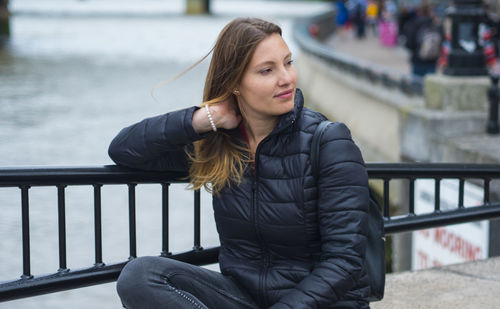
x=73 y=74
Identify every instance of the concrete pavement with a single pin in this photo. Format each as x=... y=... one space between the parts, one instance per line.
x=371 y=50
x=468 y=285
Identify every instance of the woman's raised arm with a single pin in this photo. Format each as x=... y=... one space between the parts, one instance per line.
x=156 y=143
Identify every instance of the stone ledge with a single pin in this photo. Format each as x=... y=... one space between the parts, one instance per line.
x=456 y=93
x=477 y=148
x=425 y=131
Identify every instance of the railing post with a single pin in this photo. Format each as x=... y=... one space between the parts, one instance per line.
x=386 y=199
x=461 y=184
x=165 y=223
x=132 y=220
x=411 y=202
x=197 y=221
x=25 y=214
x=98 y=225
x=493 y=98
x=486 y=197
x=61 y=212
x=437 y=194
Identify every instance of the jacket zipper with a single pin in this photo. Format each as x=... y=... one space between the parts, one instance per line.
x=265 y=254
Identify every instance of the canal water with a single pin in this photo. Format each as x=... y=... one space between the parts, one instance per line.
x=73 y=74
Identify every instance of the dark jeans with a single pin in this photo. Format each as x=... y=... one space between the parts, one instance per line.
x=423 y=68
x=156 y=282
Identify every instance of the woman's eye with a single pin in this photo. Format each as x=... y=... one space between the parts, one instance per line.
x=289 y=62
x=265 y=71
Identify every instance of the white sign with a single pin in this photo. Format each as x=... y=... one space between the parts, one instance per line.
x=454 y=243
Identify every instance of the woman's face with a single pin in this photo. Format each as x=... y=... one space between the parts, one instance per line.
x=267 y=88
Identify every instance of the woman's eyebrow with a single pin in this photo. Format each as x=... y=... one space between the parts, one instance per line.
x=268 y=62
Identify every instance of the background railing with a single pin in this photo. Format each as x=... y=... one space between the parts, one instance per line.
x=96 y=177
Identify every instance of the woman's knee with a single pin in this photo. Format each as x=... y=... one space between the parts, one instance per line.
x=134 y=277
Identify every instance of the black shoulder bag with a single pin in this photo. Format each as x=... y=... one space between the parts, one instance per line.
x=375 y=250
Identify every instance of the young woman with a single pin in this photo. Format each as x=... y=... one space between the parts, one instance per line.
x=287 y=241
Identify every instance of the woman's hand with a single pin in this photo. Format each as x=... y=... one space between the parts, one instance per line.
x=224 y=114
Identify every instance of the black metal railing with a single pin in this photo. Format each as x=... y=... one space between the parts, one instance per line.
x=62 y=177
x=406 y=83
x=97 y=177
x=410 y=221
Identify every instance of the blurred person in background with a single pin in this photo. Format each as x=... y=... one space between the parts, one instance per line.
x=388 y=27
x=407 y=13
x=372 y=16
x=357 y=10
x=424 y=36
x=341 y=17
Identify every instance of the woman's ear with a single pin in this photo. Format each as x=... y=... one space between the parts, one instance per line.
x=236 y=101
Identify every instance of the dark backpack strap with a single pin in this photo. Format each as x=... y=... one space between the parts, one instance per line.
x=320 y=129
x=375 y=251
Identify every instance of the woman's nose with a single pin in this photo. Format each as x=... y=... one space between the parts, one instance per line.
x=286 y=76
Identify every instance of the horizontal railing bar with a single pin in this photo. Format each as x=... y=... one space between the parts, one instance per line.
x=408 y=223
x=431 y=170
x=58 y=282
x=85 y=175
x=113 y=174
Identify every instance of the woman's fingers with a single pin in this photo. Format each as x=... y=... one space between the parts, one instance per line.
x=226 y=114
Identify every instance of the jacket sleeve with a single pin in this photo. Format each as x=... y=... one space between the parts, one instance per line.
x=410 y=31
x=343 y=199
x=157 y=143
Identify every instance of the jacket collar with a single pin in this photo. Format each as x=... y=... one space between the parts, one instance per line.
x=285 y=120
x=288 y=119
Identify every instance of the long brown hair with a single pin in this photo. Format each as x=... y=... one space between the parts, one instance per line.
x=219 y=160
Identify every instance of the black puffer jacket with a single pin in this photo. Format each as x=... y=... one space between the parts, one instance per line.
x=283 y=248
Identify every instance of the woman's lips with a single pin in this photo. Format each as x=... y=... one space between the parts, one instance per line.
x=285 y=94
